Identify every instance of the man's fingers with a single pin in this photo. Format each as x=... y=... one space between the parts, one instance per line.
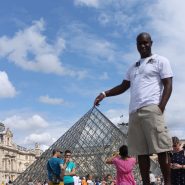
x=98 y=99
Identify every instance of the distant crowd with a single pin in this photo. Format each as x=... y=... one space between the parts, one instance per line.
x=63 y=171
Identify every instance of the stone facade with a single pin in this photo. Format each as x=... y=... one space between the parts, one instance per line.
x=14 y=159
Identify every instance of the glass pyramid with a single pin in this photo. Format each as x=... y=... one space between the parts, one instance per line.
x=91 y=139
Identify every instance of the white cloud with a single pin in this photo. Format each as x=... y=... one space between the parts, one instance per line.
x=41 y=138
x=21 y=123
x=44 y=147
x=120 y=15
x=6 y=87
x=90 y=45
x=122 y=19
x=117 y=19
x=104 y=4
x=92 y=3
x=94 y=47
x=28 y=130
x=52 y=101
x=29 y=49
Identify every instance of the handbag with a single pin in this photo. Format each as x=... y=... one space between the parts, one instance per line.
x=55 y=178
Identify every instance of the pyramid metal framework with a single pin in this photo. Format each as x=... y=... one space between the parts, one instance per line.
x=91 y=139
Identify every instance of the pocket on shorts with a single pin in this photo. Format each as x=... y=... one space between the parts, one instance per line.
x=159 y=110
x=164 y=140
x=152 y=108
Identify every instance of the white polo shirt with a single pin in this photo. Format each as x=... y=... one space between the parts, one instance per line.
x=145 y=81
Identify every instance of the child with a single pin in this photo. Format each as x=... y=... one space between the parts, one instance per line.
x=124 y=166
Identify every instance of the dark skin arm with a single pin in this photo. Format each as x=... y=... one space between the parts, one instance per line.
x=167 y=83
x=119 y=89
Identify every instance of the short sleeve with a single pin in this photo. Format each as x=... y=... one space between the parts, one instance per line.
x=165 y=68
x=127 y=76
x=115 y=160
x=61 y=161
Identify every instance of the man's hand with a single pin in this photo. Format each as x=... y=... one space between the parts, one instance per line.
x=67 y=159
x=98 y=99
x=162 y=108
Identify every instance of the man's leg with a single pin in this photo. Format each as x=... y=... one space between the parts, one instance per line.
x=144 y=166
x=165 y=167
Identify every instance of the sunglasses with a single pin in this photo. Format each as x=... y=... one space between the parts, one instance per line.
x=67 y=155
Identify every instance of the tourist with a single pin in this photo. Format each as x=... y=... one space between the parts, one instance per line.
x=103 y=182
x=124 y=166
x=45 y=183
x=84 y=182
x=97 y=181
x=152 y=178
x=68 y=168
x=89 y=179
x=177 y=163
x=80 y=181
x=110 y=180
x=76 y=179
x=150 y=83
x=54 y=168
x=38 y=183
x=30 y=182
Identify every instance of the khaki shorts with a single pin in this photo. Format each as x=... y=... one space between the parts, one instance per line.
x=147 y=133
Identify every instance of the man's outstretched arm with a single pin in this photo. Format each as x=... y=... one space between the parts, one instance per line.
x=113 y=92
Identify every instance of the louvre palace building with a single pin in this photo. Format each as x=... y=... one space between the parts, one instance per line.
x=14 y=159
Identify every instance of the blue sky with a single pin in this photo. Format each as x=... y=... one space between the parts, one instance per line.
x=56 y=56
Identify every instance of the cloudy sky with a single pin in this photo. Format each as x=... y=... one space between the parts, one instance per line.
x=56 y=56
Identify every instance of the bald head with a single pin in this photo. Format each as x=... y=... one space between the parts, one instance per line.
x=145 y=35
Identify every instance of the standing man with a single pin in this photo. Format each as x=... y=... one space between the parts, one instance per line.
x=54 y=168
x=150 y=83
x=68 y=170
